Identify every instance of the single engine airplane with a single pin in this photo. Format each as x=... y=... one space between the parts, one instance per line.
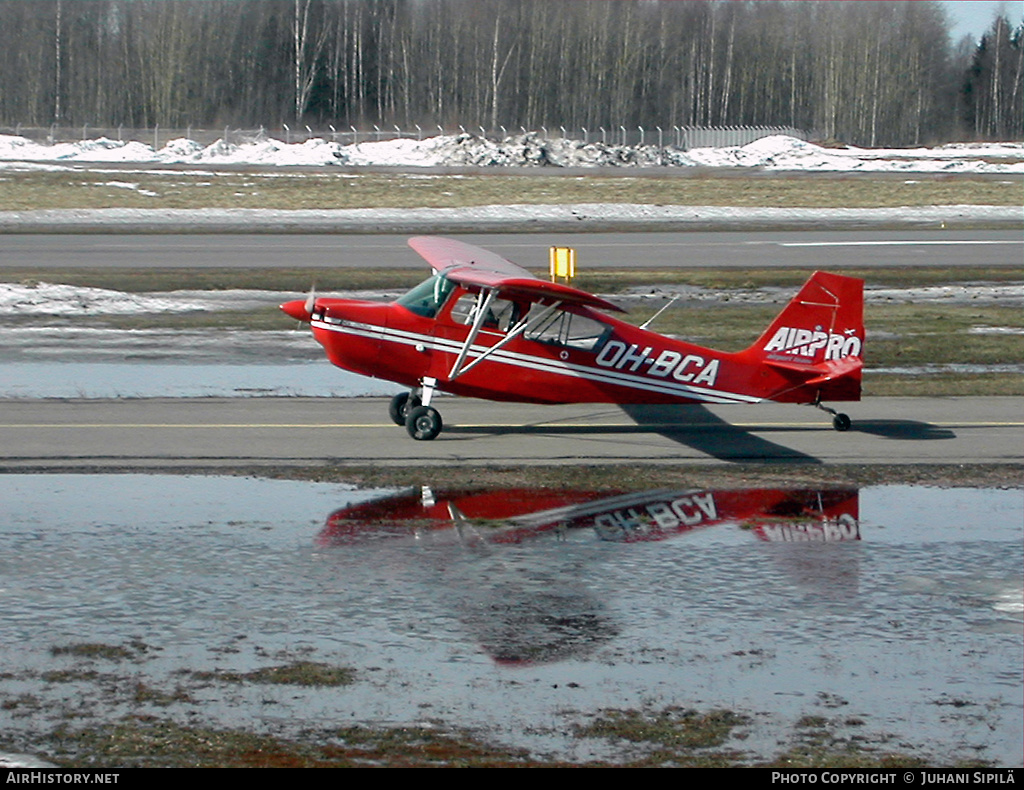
x=484 y=327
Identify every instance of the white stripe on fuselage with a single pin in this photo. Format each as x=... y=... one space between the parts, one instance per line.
x=530 y=362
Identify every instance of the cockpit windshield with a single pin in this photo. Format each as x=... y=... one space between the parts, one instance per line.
x=427 y=297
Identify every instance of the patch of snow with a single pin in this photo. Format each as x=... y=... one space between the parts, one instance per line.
x=135 y=187
x=956 y=293
x=11 y=760
x=181 y=148
x=952 y=367
x=977 y=293
x=996 y=330
x=69 y=300
x=49 y=299
x=780 y=152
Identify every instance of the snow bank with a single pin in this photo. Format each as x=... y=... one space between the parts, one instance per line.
x=787 y=153
x=777 y=152
x=527 y=150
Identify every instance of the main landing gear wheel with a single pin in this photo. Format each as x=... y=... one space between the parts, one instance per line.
x=841 y=422
x=423 y=423
x=401 y=405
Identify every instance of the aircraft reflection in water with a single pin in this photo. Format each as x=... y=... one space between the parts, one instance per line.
x=522 y=615
x=511 y=515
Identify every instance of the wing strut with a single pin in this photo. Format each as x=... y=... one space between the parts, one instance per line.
x=482 y=303
x=524 y=323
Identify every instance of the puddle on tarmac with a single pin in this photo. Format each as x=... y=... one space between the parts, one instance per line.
x=518 y=612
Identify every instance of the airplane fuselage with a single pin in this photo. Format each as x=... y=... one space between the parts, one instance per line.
x=621 y=364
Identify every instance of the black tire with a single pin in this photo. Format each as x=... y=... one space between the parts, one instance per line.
x=423 y=423
x=401 y=405
x=841 y=422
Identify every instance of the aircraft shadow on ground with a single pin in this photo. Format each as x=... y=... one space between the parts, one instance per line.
x=706 y=432
x=696 y=427
x=691 y=425
x=903 y=429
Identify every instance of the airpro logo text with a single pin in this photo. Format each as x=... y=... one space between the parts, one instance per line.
x=807 y=342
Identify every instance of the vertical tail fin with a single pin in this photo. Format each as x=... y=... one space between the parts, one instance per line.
x=818 y=338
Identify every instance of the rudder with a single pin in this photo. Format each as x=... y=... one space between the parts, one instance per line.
x=823 y=323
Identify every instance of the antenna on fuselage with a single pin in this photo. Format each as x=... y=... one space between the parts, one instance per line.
x=667 y=305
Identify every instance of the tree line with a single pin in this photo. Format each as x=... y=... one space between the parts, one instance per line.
x=879 y=73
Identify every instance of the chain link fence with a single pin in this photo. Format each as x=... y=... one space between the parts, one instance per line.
x=681 y=137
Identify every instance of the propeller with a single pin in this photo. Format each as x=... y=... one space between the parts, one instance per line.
x=299 y=310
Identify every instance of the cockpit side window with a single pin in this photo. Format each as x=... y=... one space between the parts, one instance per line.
x=427 y=297
x=501 y=315
x=564 y=328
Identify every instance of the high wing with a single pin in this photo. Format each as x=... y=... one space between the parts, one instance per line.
x=443 y=254
x=473 y=266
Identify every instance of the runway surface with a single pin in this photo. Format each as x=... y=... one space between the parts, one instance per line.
x=725 y=249
x=212 y=433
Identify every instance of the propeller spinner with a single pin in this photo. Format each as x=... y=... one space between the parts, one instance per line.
x=301 y=310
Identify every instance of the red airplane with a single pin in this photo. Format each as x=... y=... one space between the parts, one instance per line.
x=484 y=327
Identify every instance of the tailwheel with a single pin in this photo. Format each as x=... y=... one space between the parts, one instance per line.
x=423 y=423
x=841 y=422
x=401 y=405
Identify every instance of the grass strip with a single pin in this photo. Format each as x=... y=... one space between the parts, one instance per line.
x=334 y=189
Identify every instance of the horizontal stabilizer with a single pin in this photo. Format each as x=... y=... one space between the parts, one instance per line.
x=824 y=372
